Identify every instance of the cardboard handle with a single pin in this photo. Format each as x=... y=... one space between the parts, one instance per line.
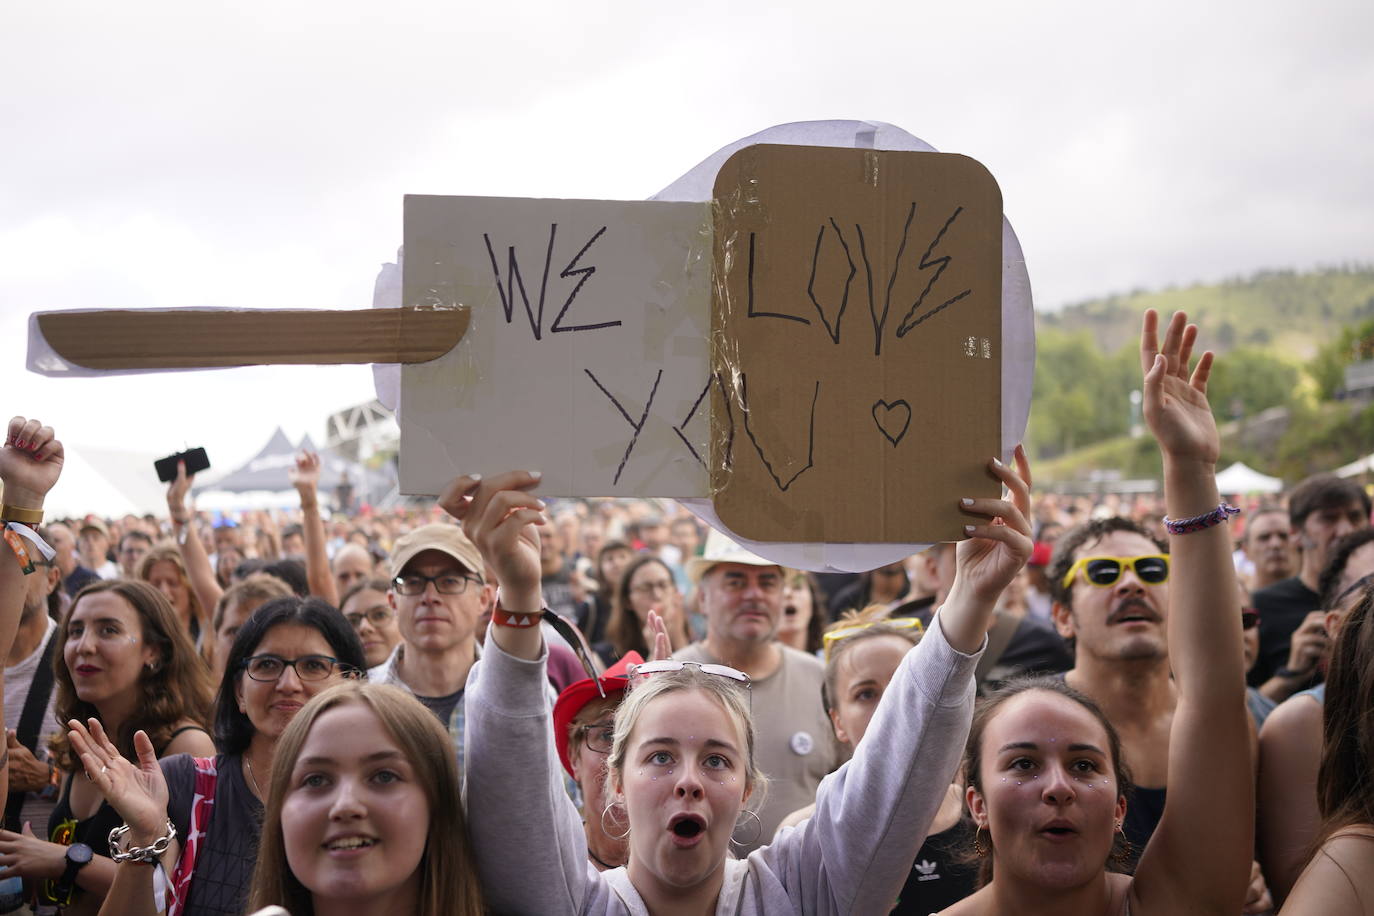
x=214 y=338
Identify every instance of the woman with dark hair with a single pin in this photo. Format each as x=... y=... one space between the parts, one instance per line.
x=593 y=617
x=803 y=616
x=1340 y=876
x=1047 y=786
x=646 y=585
x=128 y=663
x=365 y=812
x=210 y=809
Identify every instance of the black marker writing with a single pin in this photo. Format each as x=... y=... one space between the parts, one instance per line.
x=637 y=427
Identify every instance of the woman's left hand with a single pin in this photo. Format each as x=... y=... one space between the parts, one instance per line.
x=997 y=550
x=27 y=856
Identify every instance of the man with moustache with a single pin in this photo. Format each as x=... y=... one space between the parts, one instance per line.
x=741 y=597
x=1117 y=627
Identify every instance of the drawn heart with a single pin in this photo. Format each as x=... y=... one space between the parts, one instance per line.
x=895 y=416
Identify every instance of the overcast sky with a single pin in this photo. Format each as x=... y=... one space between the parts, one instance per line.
x=157 y=154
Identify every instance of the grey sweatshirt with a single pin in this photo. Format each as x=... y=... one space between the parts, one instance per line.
x=850 y=857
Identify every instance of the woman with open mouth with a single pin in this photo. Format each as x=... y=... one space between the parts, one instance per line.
x=1047 y=786
x=682 y=770
x=364 y=813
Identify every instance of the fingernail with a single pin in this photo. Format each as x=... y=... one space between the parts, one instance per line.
x=965 y=501
x=475 y=478
x=968 y=529
x=20 y=443
x=997 y=462
x=535 y=474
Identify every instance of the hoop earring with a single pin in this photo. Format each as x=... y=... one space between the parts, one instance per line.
x=604 y=812
x=758 y=829
x=1122 y=852
x=980 y=847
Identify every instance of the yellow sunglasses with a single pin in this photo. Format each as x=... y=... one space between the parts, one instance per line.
x=1107 y=571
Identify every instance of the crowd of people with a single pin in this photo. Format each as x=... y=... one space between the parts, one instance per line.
x=1149 y=704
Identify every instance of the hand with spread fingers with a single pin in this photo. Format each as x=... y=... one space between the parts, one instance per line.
x=1176 y=407
x=660 y=647
x=138 y=793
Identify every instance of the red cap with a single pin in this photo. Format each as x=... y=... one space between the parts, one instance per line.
x=1040 y=555
x=570 y=702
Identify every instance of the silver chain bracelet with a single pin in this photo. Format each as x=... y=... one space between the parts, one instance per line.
x=148 y=854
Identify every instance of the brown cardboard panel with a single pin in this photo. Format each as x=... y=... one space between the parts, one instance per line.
x=856 y=330
x=208 y=338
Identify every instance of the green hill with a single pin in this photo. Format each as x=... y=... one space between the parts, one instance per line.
x=1269 y=328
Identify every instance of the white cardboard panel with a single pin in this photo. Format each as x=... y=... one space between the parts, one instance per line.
x=583 y=362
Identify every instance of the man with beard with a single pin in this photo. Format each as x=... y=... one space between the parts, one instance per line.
x=741 y=597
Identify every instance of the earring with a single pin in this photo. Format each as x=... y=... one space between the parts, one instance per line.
x=979 y=846
x=1122 y=850
x=604 y=812
x=758 y=829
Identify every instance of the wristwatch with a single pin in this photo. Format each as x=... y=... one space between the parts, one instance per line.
x=78 y=857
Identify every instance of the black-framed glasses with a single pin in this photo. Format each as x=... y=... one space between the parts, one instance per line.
x=269 y=668
x=413 y=584
x=598 y=738
x=378 y=616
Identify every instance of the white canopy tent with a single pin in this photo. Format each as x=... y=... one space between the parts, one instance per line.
x=1240 y=478
x=1364 y=465
x=106 y=482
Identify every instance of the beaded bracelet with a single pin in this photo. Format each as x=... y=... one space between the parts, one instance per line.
x=1198 y=522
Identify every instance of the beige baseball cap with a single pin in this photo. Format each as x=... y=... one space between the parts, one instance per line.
x=721 y=549
x=448 y=539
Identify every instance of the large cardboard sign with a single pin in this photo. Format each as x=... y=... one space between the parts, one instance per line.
x=857 y=331
x=818 y=350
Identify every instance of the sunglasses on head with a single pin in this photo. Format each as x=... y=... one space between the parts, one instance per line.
x=1107 y=571
x=830 y=639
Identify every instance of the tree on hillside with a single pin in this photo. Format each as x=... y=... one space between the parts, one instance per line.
x=1327 y=368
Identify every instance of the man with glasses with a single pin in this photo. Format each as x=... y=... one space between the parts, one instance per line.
x=438 y=592
x=1109 y=586
x=29 y=719
x=741 y=596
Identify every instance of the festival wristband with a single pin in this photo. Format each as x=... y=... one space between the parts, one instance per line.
x=504 y=618
x=15 y=535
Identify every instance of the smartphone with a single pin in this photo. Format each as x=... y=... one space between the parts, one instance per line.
x=195 y=458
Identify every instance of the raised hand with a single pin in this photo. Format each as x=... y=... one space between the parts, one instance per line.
x=660 y=646
x=502 y=518
x=176 y=494
x=306 y=473
x=996 y=550
x=30 y=462
x=1176 y=406
x=138 y=793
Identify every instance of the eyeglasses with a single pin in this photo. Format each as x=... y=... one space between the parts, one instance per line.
x=1106 y=571
x=1249 y=618
x=598 y=737
x=896 y=623
x=1357 y=585
x=269 y=668
x=378 y=616
x=646 y=588
x=446 y=584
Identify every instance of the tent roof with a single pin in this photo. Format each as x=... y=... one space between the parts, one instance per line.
x=1240 y=478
